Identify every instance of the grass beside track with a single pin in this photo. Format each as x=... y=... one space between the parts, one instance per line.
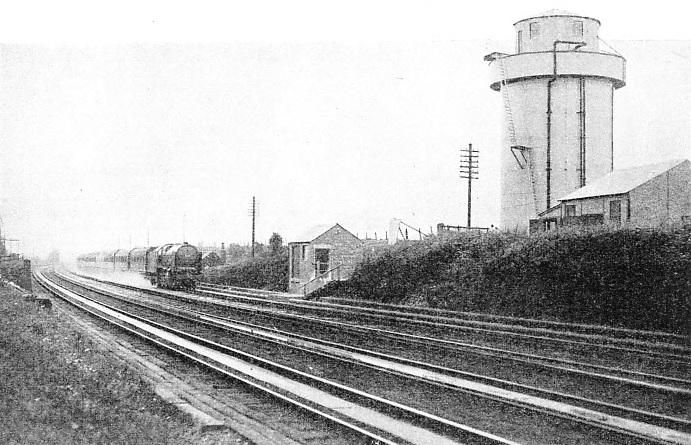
x=57 y=387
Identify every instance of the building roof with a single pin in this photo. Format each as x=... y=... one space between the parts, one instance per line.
x=556 y=13
x=622 y=181
x=315 y=232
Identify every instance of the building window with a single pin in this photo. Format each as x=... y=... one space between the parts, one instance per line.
x=534 y=30
x=571 y=210
x=304 y=252
x=578 y=28
x=615 y=211
x=519 y=38
x=321 y=261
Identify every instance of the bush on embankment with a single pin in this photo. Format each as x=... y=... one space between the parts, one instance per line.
x=270 y=273
x=631 y=278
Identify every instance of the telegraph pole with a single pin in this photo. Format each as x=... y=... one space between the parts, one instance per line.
x=254 y=216
x=469 y=171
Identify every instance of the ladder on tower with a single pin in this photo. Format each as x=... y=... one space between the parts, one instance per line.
x=518 y=151
x=513 y=146
x=507 y=103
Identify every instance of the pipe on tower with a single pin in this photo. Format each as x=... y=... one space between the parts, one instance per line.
x=581 y=132
x=548 y=151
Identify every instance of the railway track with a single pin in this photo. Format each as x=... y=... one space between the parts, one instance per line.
x=519 y=396
x=423 y=312
x=661 y=393
x=611 y=333
x=387 y=422
x=644 y=359
x=624 y=346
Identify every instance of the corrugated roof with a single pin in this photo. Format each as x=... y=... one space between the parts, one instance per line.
x=622 y=181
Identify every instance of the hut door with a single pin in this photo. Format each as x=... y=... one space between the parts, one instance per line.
x=295 y=266
x=321 y=260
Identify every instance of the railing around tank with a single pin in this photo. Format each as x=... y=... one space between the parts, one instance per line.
x=333 y=274
x=444 y=228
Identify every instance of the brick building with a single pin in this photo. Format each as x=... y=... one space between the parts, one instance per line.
x=322 y=254
x=646 y=196
x=211 y=259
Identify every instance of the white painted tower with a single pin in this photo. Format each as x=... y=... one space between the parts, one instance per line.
x=558 y=97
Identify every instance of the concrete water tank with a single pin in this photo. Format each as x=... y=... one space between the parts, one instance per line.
x=558 y=104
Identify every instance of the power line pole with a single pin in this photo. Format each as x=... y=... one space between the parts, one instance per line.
x=469 y=171
x=254 y=216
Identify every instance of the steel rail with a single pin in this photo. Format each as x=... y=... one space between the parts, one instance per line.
x=394 y=318
x=555 y=363
x=337 y=413
x=529 y=322
x=367 y=358
x=540 y=333
x=261 y=294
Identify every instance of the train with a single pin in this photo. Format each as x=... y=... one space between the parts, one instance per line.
x=170 y=266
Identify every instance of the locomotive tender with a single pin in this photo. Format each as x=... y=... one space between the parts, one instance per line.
x=171 y=266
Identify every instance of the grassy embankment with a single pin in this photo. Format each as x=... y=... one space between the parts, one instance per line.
x=267 y=272
x=631 y=278
x=57 y=387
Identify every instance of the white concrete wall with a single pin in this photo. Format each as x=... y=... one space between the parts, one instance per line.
x=528 y=101
x=556 y=28
x=664 y=199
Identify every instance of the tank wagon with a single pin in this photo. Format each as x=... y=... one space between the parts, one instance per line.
x=171 y=266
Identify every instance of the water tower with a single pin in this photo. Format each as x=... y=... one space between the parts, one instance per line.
x=558 y=98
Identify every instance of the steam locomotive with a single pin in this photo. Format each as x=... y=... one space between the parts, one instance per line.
x=170 y=266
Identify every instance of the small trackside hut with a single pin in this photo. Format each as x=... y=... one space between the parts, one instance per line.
x=211 y=259
x=321 y=255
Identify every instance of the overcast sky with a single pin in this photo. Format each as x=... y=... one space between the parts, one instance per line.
x=136 y=122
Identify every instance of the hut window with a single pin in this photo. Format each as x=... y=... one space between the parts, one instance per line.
x=578 y=28
x=615 y=210
x=571 y=210
x=534 y=30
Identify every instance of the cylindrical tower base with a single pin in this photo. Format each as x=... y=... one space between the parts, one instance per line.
x=562 y=124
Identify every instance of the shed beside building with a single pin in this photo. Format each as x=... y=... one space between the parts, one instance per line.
x=647 y=196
